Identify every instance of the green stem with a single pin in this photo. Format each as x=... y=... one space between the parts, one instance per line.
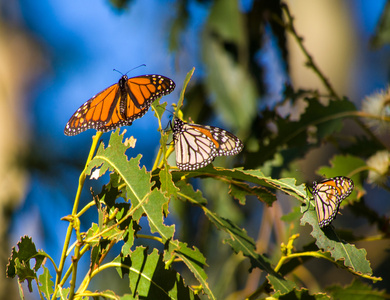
x=163 y=149
x=85 y=208
x=82 y=177
x=75 y=261
x=150 y=237
x=69 y=271
x=156 y=162
x=86 y=281
x=51 y=259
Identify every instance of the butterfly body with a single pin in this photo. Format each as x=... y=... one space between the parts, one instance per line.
x=119 y=104
x=328 y=195
x=197 y=145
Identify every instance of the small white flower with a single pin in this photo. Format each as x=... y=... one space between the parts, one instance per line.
x=379 y=167
x=378 y=106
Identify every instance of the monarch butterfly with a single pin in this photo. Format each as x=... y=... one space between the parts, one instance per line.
x=328 y=194
x=119 y=104
x=197 y=145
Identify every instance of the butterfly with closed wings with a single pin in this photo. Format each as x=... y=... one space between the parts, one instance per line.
x=197 y=145
x=328 y=194
x=119 y=104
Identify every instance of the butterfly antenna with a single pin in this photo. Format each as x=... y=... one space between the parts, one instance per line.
x=168 y=125
x=172 y=113
x=159 y=105
x=143 y=65
x=118 y=71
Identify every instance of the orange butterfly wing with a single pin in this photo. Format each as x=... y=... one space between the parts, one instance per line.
x=119 y=104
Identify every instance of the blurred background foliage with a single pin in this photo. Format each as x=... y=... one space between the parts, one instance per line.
x=251 y=78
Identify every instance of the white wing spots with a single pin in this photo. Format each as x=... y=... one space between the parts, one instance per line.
x=159 y=81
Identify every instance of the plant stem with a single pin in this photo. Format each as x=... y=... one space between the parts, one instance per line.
x=310 y=62
x=82 y=177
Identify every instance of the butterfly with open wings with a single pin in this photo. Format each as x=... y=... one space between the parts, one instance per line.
x=119 y=104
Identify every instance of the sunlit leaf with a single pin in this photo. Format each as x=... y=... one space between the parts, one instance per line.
x=46 y=284
x=138 y=192
x=149 y=278
x=327 y=240
x=300 y=294
x=286 y=185
x=167 y=185
x=63 y=293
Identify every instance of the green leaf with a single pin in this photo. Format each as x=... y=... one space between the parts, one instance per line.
x=47 y=285
x=286 y=185
x=159 y=109
x=129 y=239
x=187 y=191
x=153 y=209
x=63 y=293
x=240 y=190
x=185 y=84
x=137 y=182
x=300 y=294
x=19 y=262
x=194 y=260
x=279 y=285
x=167 y=185
x=355 y=291
x=327 y=240
x=149 y=278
